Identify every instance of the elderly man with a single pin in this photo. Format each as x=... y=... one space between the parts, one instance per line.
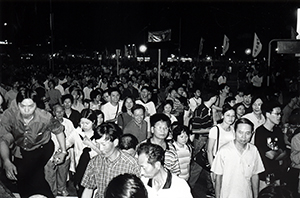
x=29 y=129
x=159 y=181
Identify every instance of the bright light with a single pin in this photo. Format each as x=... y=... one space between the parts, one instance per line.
x=143 y=48
x=5 y=24
x=248 y=51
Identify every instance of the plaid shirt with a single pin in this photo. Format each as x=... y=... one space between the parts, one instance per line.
x=100 y=171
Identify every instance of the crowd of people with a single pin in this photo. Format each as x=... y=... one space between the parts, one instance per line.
x=128 y=136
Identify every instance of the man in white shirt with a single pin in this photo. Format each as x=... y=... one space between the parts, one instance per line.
x=112 y=108
x=159 y=182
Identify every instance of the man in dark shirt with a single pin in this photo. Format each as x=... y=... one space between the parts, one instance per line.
x=200 y=125
x=29 y=129
x=70 y=113
x=269 y=141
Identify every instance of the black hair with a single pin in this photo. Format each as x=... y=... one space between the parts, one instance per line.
x=160 y=117
x=126 y=186
x=124 y=101
x=27 y=94
x=94 y=94
x=110 y=130
x=179 y=129
x=89 y=114
x=243 y=121
x=275 y=192
x=154 y=152
x=67 y=96
x=128 y=141
x=138 y=106
x=267 y=107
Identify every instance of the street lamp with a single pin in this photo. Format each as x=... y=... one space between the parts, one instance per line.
x=143 y=49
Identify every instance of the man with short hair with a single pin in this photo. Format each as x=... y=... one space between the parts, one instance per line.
x=70 y=113
x=112 y=108
x=110 y=163
x=159 y=181
x=137 y=126
x=269 y=141
x=29 y=128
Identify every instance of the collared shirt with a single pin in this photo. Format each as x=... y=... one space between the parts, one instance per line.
x=140 y=132
x=174 y=187
x=28 y=136
x=100 y=171
x=237 y=169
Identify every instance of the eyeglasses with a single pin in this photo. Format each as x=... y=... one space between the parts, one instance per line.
x=277 y=114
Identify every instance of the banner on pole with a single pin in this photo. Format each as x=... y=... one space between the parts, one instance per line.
x=225 y=45
x=257 y=46
x=159 y=36
x=201 y=46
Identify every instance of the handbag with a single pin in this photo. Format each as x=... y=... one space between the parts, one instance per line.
x=201 y=157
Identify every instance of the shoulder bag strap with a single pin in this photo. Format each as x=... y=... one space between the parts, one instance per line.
x=218 y=137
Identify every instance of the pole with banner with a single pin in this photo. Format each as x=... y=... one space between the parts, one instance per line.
x=159 y=63
x=118 y=52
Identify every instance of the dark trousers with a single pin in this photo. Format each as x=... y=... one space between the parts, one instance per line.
x=31 y=176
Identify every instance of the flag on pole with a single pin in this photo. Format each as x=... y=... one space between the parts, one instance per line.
x=257 y=46
x=225 y=45
x=298 y=23
x=293 y=33
x=125 y=51
x=159 y=36
x=201 y=46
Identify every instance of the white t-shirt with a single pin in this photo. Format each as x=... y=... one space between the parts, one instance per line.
x=224 y=136
x=256 y=122
x=110 y=111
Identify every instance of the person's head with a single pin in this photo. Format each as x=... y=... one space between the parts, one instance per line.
x=173 y=93
x=58 y=111
x=95 y=95
x=224 y=88
x=26 y=102
x=180 y=90
x=228 y=114
x=160 y=125
x=272 y=111
x=51 y=84
x=239 y=109
x=197 y=92
x=100 y=116
x=151 y=159
x=275 y=192
x=90 y=83
x=145 y=92
x=168 y=106
x=257 y=101
x=230 y=100
x=86 y=103
x=181 y=134
x=128 y=103
x=128 y=186
x=210 y=96
x=128 y=143
x=243 y=130
x=67 y=101
x=88 y=119
x=247 y=97
x=107 y=137
x=114 y=94
x=106 y=96
x=138 y=111
x=240 y=92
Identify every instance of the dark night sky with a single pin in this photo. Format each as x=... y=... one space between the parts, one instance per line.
x=96 y=25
